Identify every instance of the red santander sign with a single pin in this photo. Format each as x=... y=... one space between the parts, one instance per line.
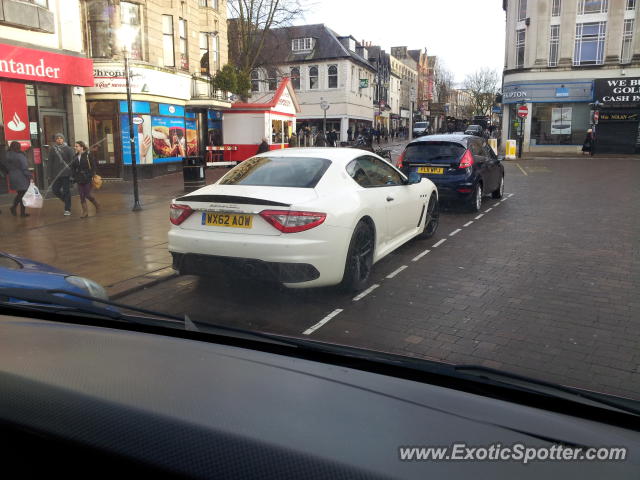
x=40 y=66
x=523 y=111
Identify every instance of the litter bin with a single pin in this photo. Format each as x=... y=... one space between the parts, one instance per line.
x=193 y=172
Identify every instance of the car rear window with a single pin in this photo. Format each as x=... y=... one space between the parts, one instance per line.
x=428 y=151
x=421 y=125
x=297 y=172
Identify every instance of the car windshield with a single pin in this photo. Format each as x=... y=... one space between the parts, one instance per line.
x=299 y=172
x=345 y=172
x=425 y=151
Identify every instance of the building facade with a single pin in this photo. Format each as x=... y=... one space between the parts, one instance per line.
x=326 y=70
x=422 y=93
x=405 y=67
x=43 y=67
x=174 y=48
x=565 y=60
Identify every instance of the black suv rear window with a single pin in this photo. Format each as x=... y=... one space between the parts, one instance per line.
x=300 y=172
x=429 y=151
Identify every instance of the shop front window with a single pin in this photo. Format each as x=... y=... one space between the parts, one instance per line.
x=559 y=124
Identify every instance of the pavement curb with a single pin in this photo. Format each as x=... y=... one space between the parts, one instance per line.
x=135 y=284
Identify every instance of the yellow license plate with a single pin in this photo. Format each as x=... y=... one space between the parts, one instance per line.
x=232 y=220
x=436 y=170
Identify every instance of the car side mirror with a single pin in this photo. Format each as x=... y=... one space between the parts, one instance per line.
x=500 y=158
x=414 y=177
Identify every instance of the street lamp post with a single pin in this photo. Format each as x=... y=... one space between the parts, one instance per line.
x=126 y=39
x=324 y=105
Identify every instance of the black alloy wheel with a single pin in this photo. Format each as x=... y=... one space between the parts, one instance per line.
x=359 y=258
x=432 y=218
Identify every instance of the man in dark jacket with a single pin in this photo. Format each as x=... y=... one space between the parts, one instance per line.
x=60 y=160
x=263 y=147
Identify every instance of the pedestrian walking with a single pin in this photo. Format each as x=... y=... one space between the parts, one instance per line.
x=320 y=140
x=84 y=169
x=263 y=147
x=587 y=145
x=349 y=134
x=293 y=140
x=17 y=169
x=385 y=134
x=60 y=160
x=378 y=134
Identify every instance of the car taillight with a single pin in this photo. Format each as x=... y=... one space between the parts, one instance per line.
x=179 y=213
x=400 y=160
x=292 y=222
x=467 y=160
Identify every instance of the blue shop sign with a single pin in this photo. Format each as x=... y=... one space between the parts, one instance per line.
x=548 y=92
x=171 y=110
x=138 y=107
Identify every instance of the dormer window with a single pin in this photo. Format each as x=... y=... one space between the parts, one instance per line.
x=302 y=44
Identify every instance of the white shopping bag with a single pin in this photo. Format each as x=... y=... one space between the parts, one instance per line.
x=32 y=198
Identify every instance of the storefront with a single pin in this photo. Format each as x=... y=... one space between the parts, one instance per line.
x=39 y=97
x=618 y=126
x=559 y=114
x=168 y=127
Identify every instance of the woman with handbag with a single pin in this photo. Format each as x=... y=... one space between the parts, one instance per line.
x=19 y=176
x=83 y=172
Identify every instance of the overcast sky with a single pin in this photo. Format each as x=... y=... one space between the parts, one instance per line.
x=466 y=34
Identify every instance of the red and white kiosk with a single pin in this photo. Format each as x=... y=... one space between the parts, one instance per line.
x=246 y=124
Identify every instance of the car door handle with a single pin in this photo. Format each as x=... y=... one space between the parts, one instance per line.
x=389 y=199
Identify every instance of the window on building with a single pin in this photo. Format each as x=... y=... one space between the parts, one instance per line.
x=631 y=4
x=592 y=6
x=554 y=44
x=208 y=3
x=183 y=45
x=99 y=28
x=169 y=58
x=627 y=39
x=589 y=49
x=558 y=124
x=522 y=9
x=41 y=3
x=255 y=81
x=302 y=44
x=556 y=7
x=130 y=16
x=215 y=52
x=272 y=79
x=204 y=53
x=520 y=44
x=295 y=77
x=332 y=72
x=313 y=78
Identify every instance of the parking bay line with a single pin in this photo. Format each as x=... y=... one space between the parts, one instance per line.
x=365 y=293
x=496 y=204
x=310 y=330
x=488 y=210
x=415 y=259
x=480 y=216
x=396 y=272
x=435 y=245
x=468 y=223
x=522 y=169
x=454 y=232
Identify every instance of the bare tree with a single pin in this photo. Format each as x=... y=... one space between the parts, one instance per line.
x=251 y=21
x=444 y=82
x=482 y=86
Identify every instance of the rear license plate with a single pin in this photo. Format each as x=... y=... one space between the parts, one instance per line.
x=232 y=220
x=436 y=170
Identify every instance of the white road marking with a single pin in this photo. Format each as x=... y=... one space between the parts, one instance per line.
x=393 y=274
x=439 y=243
x=511 y=195
x=420 y=256
x=468 y=223
x=480 y=216
x=521 y=169
x=310 y=330
x=488 y=210
x=365 y=293
x=454 y=232
x=496 y=204
x=504 y=199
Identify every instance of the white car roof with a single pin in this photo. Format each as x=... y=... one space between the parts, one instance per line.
x=335 y=154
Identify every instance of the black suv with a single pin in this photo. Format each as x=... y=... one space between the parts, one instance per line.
x=463 y=167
